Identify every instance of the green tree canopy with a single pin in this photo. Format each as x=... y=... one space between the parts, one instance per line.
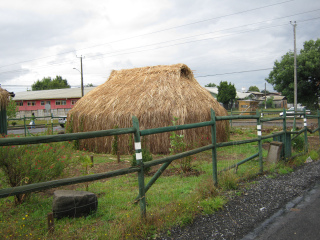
x=210 y=85
x=308 y=74
x=12 y=109
x=253 y=89
x=48 y=83
x=226 y=94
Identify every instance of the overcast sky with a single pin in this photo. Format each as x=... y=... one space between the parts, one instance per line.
x=229 y=40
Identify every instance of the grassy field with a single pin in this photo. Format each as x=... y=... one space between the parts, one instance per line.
x=175 y=199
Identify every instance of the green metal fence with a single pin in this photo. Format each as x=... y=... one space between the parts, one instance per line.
x=284 y=136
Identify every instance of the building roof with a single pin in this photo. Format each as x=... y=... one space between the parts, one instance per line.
x=240 y=95
x=65 y=93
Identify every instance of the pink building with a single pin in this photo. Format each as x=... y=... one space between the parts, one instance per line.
x=43 y=103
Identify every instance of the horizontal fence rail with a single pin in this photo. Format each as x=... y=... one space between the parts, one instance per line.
x=284 y=135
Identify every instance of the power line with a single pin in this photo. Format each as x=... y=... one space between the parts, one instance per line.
x=219 y=74
x=162 y=30
x=125 y=51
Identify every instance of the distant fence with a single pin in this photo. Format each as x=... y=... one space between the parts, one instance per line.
x=284 y=136
x=26 y=123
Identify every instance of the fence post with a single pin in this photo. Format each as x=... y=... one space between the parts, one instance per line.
x=259 y=141
x=231 y=119
x=137 y=145
x=319 y=123
x=305 y=131
x=284 y=140
x=24 y=123
x=52 y=123
x=214 y=149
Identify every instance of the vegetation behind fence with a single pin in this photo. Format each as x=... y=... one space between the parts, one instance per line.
x=284 y=136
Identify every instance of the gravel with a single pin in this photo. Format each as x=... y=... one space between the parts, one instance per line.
x=263 y=198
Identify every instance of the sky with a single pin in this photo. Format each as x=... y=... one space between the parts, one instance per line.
x=230 y=40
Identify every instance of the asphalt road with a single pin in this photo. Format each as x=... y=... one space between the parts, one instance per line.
x=34 y=130
x=298 y=221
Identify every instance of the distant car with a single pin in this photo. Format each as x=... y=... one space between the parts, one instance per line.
x=62 y=121
x=300 y=110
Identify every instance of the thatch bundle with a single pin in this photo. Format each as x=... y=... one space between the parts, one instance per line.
x=4 y=98
x=155 y=95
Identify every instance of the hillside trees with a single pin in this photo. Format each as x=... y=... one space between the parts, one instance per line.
x=48 y=83
x=210 y=85
x=308 y=74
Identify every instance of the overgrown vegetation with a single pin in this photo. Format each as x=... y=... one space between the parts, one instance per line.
x=177 y=145
x=173 y=200
x=27 y=164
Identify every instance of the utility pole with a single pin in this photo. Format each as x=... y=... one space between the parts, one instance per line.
x=82 y=92
x=295 y=101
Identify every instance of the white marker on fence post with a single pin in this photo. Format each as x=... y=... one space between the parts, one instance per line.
x=259 y=130
x=137 y=146
x=305 y=122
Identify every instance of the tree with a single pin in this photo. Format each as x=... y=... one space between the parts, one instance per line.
x=48 y=83
x=226 y=94
x=308 y=74
x=253 y=89
x=210 y=85
x=262 y=91
x=12 y=109
x=89 y=85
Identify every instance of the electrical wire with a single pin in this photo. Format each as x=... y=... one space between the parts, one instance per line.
x=162 y=30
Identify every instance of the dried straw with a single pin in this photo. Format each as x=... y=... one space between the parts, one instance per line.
x=154 y=95
x=4 y=98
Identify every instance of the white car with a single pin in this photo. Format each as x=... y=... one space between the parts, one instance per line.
x=300 y=110
x=62 y=121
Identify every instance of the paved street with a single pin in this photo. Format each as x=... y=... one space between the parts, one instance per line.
x=34 y=130
x=298 y=221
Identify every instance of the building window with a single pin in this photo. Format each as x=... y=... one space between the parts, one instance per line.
x=48 y=102
x=31 y=103
x=73 y=102
x=19 y=103
x=42 y=103
x=61 y=102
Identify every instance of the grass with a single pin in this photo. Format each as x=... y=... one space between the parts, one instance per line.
x=173 y=200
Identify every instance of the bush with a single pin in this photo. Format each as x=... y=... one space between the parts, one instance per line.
x=146 y=157
x=314 y=155
x=27 y=164
x=298 y=144
x=177 y=145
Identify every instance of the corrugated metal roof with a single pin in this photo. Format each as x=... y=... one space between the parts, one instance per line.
x=52 y=94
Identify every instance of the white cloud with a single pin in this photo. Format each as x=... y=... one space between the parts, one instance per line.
x=52 y=33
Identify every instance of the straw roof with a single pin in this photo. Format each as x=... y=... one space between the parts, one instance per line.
x=4 y=98
x=155 y=95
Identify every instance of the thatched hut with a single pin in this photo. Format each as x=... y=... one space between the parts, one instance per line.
x=4 y=100
x=155 y=95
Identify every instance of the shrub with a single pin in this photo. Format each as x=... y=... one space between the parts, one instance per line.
x=314 y=155
x=13 y=123
x=228 y=180
x=177 y=145
x=146 y=157
x=27 y=164
x=298 y=144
